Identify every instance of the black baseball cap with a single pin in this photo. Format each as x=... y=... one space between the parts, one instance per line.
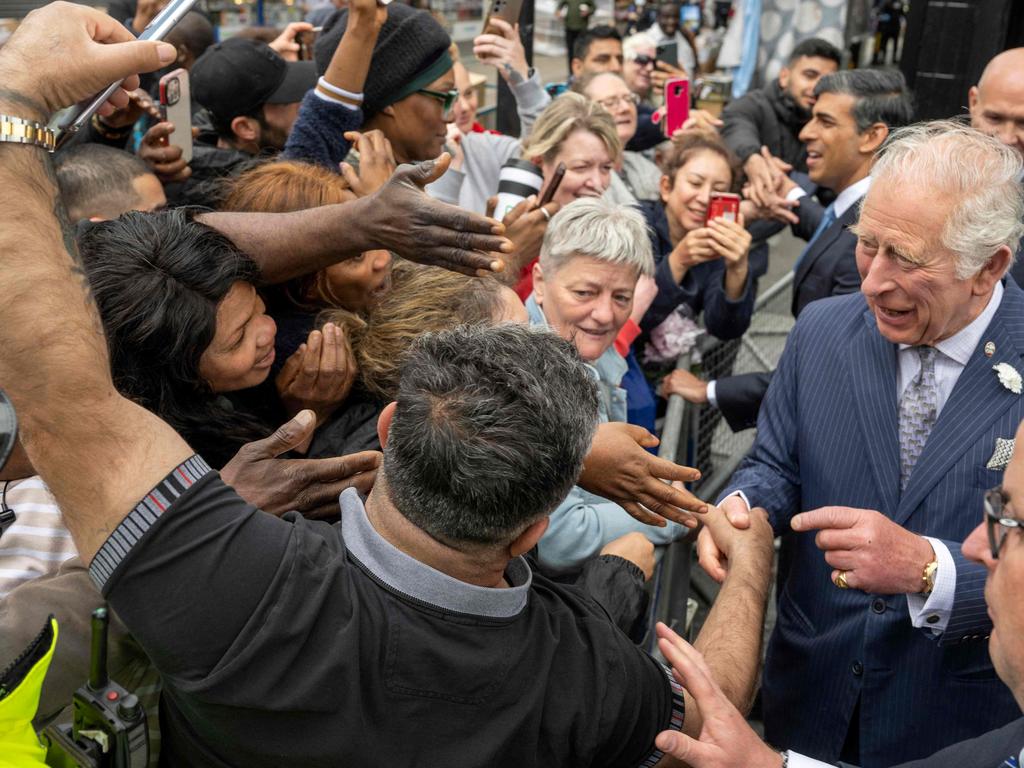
x=240 y=75
x=8 y=428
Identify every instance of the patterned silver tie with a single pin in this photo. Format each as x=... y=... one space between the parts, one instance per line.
x=918 y=408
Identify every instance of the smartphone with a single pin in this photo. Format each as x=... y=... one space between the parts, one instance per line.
x=723 y=205
x=176 y=107
x=72 y=119
x=677 y=105
x=553 y=185
x=506 y=10
x=669 y=53
x=306 y=41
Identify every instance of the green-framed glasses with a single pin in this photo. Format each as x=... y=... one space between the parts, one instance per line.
x=447 y=98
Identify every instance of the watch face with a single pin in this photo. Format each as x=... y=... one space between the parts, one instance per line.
x=8 y=428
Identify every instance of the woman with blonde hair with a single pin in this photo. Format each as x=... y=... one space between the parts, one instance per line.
x=422 y=299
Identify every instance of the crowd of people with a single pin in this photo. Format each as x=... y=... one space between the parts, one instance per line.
x=365 y=468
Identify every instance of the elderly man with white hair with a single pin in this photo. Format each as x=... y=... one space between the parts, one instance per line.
x=892 y=410
x=593 y=254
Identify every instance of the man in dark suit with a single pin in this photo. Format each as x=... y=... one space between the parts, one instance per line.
x=853 y=113
x=726 y=741
x=890 y=413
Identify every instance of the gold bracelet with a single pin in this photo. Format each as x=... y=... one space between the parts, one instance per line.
x=20 y=131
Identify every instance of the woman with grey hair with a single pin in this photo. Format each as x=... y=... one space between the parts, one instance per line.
x=593 y=254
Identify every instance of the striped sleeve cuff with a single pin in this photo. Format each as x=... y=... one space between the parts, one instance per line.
x=130 y=530
x=676 y=722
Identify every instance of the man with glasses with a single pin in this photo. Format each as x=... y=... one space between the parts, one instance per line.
x=890 y=412
x=998 y=545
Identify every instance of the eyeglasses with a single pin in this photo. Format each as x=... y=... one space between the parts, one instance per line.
x=643 y=60
x=447 y=98
x=996 y=523
x=623 y=98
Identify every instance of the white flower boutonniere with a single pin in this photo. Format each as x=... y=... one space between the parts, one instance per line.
x=1009 y=377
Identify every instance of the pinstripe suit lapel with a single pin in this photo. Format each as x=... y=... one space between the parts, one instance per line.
x=976 y=401
x=872 y=374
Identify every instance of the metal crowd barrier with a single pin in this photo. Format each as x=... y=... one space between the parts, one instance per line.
x=698 y=436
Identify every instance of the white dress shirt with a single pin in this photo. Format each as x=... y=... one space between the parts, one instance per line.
x=932 y=611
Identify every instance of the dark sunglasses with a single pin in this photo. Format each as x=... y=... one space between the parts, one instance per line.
x=447 y=98
x=642 y=60
x=997 y=525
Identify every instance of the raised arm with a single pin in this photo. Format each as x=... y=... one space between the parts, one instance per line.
x=99 y=453
x=326 y=114
x=398 y=217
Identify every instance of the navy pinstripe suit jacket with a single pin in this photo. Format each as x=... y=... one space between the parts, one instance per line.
x=828 y=435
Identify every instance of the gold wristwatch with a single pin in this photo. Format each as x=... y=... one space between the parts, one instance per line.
x=20 y=131
x=928 y=577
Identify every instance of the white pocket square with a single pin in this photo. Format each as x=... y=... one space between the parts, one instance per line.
x=1002 y=455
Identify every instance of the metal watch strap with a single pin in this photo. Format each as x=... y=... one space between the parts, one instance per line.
x=785 y=758
x=20 y=131
x=928 y=577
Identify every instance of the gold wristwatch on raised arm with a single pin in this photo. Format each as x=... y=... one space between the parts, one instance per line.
x=20 y=131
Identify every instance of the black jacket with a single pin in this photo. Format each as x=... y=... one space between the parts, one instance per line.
x=766 y=117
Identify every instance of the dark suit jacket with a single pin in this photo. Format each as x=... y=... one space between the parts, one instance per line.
x=992 y=750
x=828 y=434
x=829 y=268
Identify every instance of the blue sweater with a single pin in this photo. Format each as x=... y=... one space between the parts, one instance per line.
x=318 y=136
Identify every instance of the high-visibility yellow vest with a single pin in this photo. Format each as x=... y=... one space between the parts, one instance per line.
x=20 y=688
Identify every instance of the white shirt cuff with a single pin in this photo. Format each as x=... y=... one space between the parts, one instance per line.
x=796 y=760
x=795 y=194
x=932 y=612
x=712 y=396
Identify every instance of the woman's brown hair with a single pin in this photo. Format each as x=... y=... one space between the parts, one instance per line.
x=281 y=187
x=692 y=143
x=421 y=300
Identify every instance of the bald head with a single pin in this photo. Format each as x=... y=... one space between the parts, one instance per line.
x=997 y=101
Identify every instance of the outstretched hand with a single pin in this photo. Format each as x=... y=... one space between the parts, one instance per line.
x=725 y=741
x=417 y=227
x=620 y=469
x=94 y=52
x=311 y=486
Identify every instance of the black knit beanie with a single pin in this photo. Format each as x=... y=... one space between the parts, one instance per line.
x=410 y=43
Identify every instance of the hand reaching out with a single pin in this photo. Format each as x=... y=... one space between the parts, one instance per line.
x=407 y=221
x=310 y=486
x=619 y=468
x=725 y=741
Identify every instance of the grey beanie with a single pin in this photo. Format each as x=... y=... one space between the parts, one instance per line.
x=411 y=43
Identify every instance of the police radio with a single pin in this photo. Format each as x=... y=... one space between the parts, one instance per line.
x=109 y=726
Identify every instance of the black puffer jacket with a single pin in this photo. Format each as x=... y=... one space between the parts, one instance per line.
x=766 y=117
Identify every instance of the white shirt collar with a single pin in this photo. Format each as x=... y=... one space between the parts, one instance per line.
x=961 y=345
x=850 y=195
